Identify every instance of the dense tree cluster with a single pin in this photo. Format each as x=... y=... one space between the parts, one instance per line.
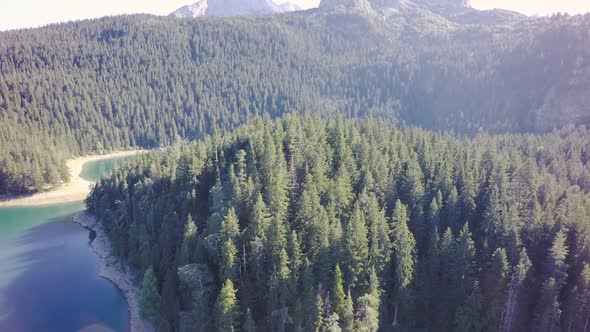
x=93 y=86
x=305 y=224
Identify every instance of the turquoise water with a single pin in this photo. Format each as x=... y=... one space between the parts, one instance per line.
x=93 y=171
x=48 y=279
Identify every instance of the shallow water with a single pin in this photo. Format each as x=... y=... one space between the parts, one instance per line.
x=48 y=279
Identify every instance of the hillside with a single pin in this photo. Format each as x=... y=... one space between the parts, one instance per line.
x=149 y=81
x=337 y=225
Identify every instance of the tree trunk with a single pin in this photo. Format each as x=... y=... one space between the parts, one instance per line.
x=394 y=317
x=509 y=308
x=587 y=320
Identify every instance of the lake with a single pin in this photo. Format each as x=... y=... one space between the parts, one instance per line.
x=48 y=279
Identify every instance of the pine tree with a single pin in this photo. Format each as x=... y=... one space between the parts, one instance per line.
x=556 y=260
x=278 y=260
x=548 y=313
x=411 y=191
x=512 y=308
x=187 y=250
x=498 y=287
x=379 y=240
x=228 y=266
x=404 y=250
x=319 y=312
x=295 y=260
x=256 y=237
x=356 y=249
x=312 y=314
x=338 y=296
x=226 y=309
x=149 y=297
x=312 y=221
x=229 y=233
x=348 y=315
x=430 y=276
x=465 y=264
x=469 y=315
x=368 y=306
x=330 y=324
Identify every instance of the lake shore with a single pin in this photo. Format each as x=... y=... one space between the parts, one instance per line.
x=75 y=190
x=116 y=271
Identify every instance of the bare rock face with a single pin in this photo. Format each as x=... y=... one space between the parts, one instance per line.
x=233 y=8
x=381 y=4
x=362 y=5
x=288 y=7
x=194 y=10
x=451 y=3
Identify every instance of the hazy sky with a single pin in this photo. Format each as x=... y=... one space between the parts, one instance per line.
x=32 y=13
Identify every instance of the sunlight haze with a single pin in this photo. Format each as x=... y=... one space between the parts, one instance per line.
x=16 y=14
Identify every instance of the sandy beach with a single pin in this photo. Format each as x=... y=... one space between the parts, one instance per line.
x=112 y=269
x=73 y=191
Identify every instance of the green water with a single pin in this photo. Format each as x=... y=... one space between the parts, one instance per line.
x=93 y=171
x=48 y=278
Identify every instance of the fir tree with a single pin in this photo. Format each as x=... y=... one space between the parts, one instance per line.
x=356 y=249
x=403 y=259
x=149 y=297
x=226 y=308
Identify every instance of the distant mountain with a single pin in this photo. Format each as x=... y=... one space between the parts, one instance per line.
x=456 y=11
x=194 y=10
x=288 y=7
x=362 y=5
x=233 y=8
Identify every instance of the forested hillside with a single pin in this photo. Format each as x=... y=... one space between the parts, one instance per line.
x=325 y=225
x=113 y=83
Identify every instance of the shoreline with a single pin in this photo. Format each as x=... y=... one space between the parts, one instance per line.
x=115 y=271
x=75 y=190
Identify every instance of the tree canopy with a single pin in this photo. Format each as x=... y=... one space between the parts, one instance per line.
x=300 y=223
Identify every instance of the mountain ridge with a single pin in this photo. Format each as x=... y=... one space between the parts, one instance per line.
x=233 y=8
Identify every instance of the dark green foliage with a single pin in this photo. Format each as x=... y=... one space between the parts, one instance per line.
x=138 y=80
x=226 y=309
x=280 y=254
x=149 y=297
x=469 y=315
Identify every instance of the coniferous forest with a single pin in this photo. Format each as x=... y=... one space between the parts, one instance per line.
x=368 y=165
x=304 y=224
x=145 y=81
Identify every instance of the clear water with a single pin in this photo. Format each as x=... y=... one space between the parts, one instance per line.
x=93 y=171
x=48 y=279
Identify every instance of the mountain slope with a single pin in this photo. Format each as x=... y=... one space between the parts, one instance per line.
x=148 y=81
x=233 y=8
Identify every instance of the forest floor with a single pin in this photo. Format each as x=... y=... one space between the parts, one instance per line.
x=115 y=270
x=72 y=191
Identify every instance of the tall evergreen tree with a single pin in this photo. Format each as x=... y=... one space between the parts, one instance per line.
x=404 y=251
x=226 y=308
x=149 y=297
x=337 y=293
x=368 y=306
x=469 y=315
x=356 y=250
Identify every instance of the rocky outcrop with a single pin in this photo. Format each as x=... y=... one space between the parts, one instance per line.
x=362 y=5
x=233 y=8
